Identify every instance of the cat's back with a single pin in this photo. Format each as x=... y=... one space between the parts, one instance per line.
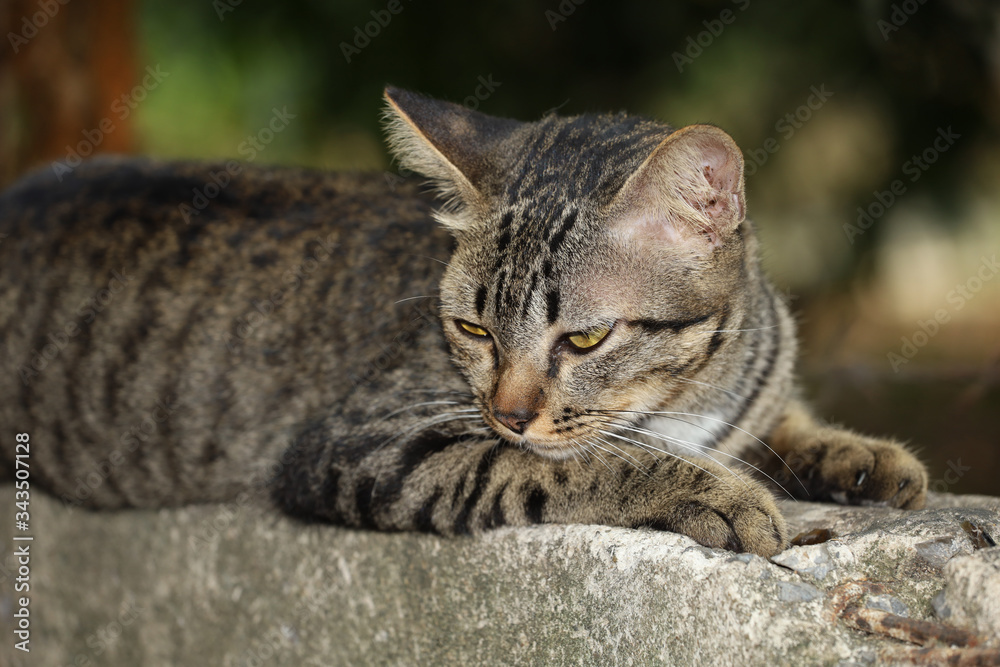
x=145 y=304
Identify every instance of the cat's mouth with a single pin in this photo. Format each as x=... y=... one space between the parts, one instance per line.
x=535 y=438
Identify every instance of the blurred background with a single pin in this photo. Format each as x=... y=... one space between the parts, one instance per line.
x=870 y=131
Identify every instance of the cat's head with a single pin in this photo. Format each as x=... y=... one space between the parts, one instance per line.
x=596 y=257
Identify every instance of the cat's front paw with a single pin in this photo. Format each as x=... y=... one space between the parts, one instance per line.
x=733 y=515
x=852 y=469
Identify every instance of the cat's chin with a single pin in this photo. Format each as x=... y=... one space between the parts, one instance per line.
x=555 y=451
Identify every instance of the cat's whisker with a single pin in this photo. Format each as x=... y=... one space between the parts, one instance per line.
x=433 y=421
x=455 y=392
x=649 y=447
x=712 y=386
x=704 y=449
x=697 y=426
x=591 y=443
x=624 y=422
x=433 y=259
x=773 y=326
x=598 y=456
x=411 y=298
x=669 y=414
x=436 y=420
x=634 y=462
x=425 y=403
x=698 y=450
x=576 y=456
x=476 y=434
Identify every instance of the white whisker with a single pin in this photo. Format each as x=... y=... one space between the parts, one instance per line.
x=411 y=298
x=712 y=386
x=721 y=421
x=589 y=443
x=599 y=458
x=773 y=326
x=616 y=454
x=662 y=451
x=705 y=449
x=634 y=462
x=419 y=405
x=433 y=259
x=433 y=391
x=702 y=450
x=433 y=421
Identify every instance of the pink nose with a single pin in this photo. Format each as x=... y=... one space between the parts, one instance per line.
x=516 y=420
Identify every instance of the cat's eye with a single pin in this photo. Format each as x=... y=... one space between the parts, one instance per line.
x=471 y=328
x=584 y=340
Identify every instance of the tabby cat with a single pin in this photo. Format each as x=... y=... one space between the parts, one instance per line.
x=586 y=336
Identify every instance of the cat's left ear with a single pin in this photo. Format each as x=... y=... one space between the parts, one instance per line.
x=457 y=148
x=689 y=191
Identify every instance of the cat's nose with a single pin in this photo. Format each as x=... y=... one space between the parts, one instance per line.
x=516 y=420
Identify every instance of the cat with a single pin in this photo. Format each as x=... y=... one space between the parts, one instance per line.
x=572 y=327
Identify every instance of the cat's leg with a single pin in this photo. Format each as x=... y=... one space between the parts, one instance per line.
x=836 y=464
x=451 y=484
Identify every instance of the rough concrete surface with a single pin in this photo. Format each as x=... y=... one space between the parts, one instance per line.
x=239 y=585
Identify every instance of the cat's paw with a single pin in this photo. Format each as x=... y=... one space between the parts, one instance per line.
x=854 y=470
x=738 y=517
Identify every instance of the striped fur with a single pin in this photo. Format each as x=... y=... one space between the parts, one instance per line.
x=315 y=339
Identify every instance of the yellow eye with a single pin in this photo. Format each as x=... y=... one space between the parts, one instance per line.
x=473 y=329
x=586 y=339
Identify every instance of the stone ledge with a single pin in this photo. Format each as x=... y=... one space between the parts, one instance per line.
x=218 y=585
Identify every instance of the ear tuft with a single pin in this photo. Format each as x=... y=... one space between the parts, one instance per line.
x=455 y=147
x=688 y=191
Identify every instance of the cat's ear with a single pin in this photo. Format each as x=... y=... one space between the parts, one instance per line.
x=456 y=147
x=689 y=191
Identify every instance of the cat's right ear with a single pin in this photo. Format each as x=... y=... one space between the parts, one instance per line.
x=456 y=147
